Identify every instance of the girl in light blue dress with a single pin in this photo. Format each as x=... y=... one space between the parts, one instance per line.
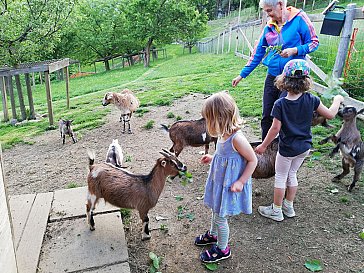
x=228 y=188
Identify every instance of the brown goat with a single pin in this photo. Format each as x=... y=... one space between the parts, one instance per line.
x=266 y=161
x=126 y=190
x=348 y=141
x=189 y=133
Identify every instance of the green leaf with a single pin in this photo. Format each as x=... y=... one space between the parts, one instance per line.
x=313 y=265
x=190 y=216
x=152 y=256
x=211 y=266
x=179 y=198
x=361 y=235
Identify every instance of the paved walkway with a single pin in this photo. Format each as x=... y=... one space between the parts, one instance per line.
x=51 y=234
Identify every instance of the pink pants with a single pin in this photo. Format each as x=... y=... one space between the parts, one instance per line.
x=286 y=170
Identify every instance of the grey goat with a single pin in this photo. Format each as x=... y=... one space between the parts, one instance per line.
x=66 y=129
x=348 y=141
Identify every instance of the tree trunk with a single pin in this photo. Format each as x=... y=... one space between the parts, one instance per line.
x=107 y=65
x=147 y=52
x=190 y=49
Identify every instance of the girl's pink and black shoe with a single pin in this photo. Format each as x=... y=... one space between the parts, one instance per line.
x=215 y=254
x=205 y=239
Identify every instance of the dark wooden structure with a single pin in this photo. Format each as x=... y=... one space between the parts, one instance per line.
x=6 y=84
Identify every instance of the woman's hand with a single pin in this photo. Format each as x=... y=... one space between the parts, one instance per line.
x=237 y=186
x=260 y=149
x=288 y=52
x=236 y=80
x=206 y=159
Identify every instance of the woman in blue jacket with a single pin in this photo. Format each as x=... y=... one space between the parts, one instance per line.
x=289 y=29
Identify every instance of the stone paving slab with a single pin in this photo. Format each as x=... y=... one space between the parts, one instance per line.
x=20 y=206
x=28 y=250
x=116 y=268
x=70 y=246
x=71 y=203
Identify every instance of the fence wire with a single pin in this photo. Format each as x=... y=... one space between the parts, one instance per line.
x=242 y=39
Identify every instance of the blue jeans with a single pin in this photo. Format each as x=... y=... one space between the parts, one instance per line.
x=270 y=95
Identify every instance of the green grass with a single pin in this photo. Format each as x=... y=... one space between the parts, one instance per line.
x=163 y=82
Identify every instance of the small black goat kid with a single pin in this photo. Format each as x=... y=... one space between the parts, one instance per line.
x=66 y=129
x=189 y=133
x=348 y=141
x=126 y=190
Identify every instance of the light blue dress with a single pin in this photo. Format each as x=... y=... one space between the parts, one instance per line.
x=226 y=167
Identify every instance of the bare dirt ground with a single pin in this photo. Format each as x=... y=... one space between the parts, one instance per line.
x=327 y=226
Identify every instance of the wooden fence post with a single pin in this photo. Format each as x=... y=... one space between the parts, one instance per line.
x=230 y=32
x=30 y=96
x=49 y=97
x=21 y=98
x=218 y=44
x=223 y=42
x=7 y=257
x=342 y=50
x=66 y=72
x=4 y=99
x=11 y=94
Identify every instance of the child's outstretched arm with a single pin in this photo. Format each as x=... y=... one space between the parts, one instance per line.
x=243 y=147
x=272 y=134
x=206 y=159
x=331 y=112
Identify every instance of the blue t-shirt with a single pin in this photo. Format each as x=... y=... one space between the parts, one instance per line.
x=296 y=116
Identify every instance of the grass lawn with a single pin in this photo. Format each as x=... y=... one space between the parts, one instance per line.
x=164 y=81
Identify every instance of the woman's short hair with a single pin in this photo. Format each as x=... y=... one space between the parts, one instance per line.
x=221 y=114
x=271 y=3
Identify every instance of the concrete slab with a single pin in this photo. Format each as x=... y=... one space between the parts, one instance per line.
x=70 y=246
x=116 y=268
x=20 y=206
x=70 y=203
x=28 y=250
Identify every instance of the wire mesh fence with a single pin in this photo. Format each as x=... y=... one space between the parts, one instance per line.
x=242 y=38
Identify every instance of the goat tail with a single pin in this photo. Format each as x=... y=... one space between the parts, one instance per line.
x=91 y=158
x=165 y=127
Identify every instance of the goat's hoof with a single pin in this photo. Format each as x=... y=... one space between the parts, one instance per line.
x=146 y=237
x=336 y=179
x=123 y=132
x=130 y=132
x=92 y=228
x=350 y=188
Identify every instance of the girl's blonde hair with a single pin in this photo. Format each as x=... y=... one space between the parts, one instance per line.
x=221 y=114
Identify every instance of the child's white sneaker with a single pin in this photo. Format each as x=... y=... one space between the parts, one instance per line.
x=269 y=212
x=288 y=210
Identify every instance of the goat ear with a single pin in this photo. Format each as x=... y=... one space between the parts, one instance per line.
x=360 y=112
x=163 y=163
x=71 y=120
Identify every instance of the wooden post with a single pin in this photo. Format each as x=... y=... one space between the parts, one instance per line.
x=66 y=72
x=344 y=41
x=218 y=44
x=7 y=250
x=237 y=40
x=21 y=97
x=4 y=99
x=11 y=94
x=49 y=97
x=40 y=78
x=223 y=42
x=79 y=67
x=230 y=30
x=30 y=96
x=33 y=79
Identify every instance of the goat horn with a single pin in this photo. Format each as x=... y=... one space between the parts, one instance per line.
x=167 y=153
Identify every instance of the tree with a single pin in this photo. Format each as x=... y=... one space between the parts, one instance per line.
x=194 y=29
x=29 y=28
x=159 y=21
x=99 y=31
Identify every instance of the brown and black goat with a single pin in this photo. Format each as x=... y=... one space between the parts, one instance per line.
x=348 y=141
x=66 y=129
x=126 y=190
x=266 y=161
x=189 y=133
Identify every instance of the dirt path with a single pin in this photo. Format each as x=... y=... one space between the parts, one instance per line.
x=326 y=228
